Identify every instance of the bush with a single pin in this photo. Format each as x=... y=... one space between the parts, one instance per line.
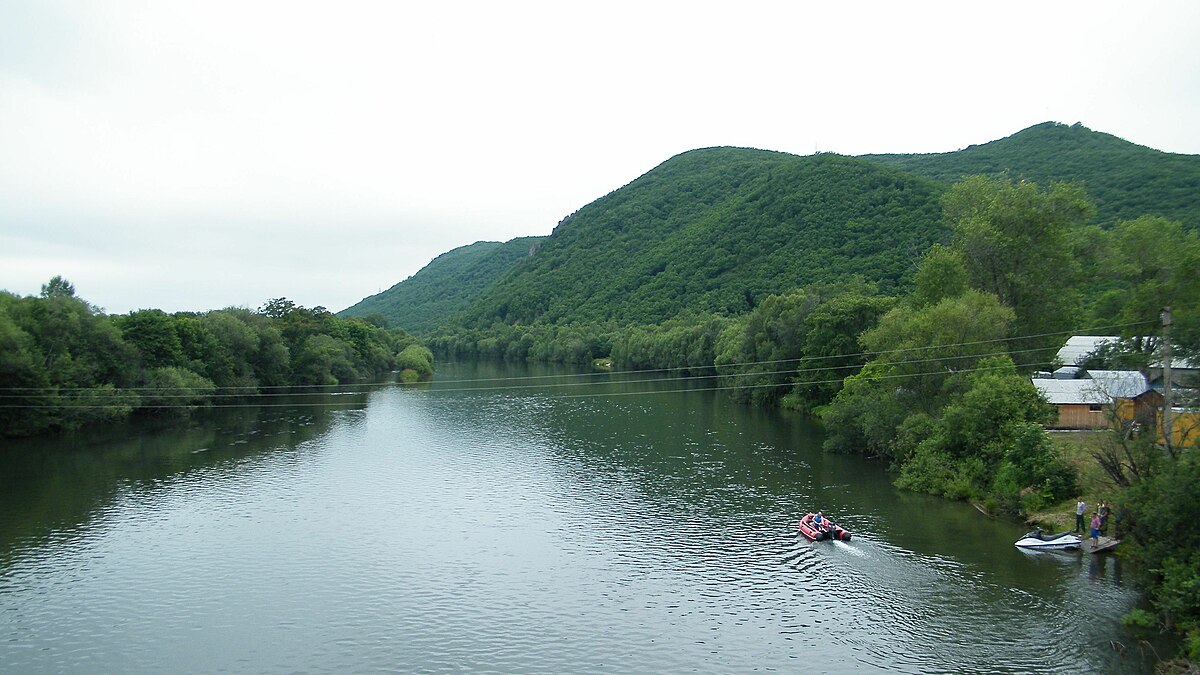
x=417 y=359
x=1139 y=618
x=175 y=389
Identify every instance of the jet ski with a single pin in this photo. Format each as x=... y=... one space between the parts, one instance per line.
x=1038 y=540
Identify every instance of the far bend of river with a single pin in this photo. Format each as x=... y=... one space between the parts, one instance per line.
x=485 y=525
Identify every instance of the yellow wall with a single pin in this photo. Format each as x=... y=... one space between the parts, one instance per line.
x=1185 y=429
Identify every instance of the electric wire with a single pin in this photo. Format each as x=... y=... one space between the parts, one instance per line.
x=292 y=393
x=291 y=390
x=721 y=375
x=765 y=385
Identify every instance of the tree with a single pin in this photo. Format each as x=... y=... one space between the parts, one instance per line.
x=942 y=274
x=175 y=390
x=152 y=332
x=831 y=348
x=417 y=360
x=1154 y=263
x=760 y=357
x=58 y=287
x=1016 y=242
x=916 y=351
x=924 y=346
x=1163 y=512
x=988 y=442
x=324 y=359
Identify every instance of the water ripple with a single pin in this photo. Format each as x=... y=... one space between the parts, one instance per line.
x=505 y=533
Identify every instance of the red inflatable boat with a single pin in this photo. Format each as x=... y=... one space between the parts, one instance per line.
x=826 y=530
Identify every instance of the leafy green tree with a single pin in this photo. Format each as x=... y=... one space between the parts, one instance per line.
x=1016 y=243
x=417 y=359
x=24 y=384
x=831 y=349
x=152 y=333
x=278 y=308
x=686 y=345
x=915 y=352
x=988 y=441
x=175 y=390
x=1161 y=522
x=761 y=358
x=942 y=274
x=1156 y=264
x=323 y=359
x=58 y=287
x=866 y=413
x=75 y=358
x=920 y=348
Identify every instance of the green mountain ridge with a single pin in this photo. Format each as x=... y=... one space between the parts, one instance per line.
x=448 y=284
x=719 y=229
x=1123 y=179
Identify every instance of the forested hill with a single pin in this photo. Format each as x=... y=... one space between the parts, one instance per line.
x=1124 y=180
x=446 y=285
x=718 y=230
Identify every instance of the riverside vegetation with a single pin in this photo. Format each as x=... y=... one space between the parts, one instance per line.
x=896 y=299
x=64 y=363
x=901 y=300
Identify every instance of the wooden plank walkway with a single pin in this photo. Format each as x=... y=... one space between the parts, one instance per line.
x=1103 y=544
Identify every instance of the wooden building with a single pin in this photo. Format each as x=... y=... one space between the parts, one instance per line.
x=1097 y=400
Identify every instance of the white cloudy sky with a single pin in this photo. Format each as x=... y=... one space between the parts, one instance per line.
x=193 y=155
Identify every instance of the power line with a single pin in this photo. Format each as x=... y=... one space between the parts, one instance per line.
x=323 y=389
x=752 y=373
x=256 y=397
x=533 y=388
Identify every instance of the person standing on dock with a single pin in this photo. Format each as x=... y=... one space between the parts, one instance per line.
x=1103 y=511
x=1095 y=529
x=1080 y=508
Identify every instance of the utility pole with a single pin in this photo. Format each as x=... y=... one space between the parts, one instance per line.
x=1167 y=397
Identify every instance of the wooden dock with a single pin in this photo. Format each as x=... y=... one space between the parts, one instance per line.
x=1103 y=544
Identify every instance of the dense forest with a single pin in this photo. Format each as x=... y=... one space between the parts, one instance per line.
x=445 y=286
x=63 y=363
x=1124 y=180
x=718 y=230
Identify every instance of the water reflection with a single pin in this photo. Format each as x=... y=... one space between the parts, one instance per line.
x=476 y=524
x=56 y=484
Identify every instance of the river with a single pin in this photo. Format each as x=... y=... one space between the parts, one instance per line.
x=512 y=519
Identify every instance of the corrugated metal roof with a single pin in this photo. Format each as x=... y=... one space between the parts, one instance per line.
x=1120 y=383
x=1079 y=346
x=1102 y=386
x=1065 y=392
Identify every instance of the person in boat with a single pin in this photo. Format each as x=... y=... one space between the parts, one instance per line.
x=821 y=522
x=1095 y=529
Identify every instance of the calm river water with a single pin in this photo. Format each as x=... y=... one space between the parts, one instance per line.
x=546 y=525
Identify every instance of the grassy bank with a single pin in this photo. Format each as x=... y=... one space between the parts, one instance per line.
x=1094 y=484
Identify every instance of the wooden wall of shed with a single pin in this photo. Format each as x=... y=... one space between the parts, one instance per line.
x=1080 y=416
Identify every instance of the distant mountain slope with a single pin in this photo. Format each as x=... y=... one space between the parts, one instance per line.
x=1125 y=180
x=448 y=284
x=717 y=230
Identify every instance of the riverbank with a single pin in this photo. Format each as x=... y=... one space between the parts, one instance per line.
x=1095 y=485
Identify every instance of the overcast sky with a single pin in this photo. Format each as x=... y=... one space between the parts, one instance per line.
x=205 y=154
